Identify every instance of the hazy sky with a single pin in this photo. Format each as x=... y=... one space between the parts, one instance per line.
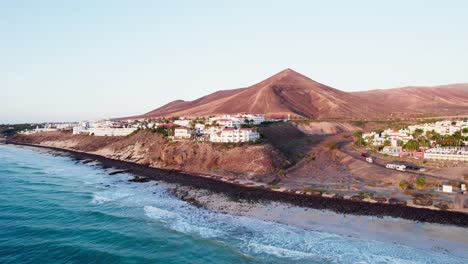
x=75 y=60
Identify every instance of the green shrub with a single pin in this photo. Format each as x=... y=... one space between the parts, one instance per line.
x=404 y=185
x=281 y=173
x=420 y=183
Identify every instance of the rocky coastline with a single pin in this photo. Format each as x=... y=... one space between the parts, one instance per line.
x=252 y=194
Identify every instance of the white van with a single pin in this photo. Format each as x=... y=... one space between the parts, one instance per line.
x=400 y=167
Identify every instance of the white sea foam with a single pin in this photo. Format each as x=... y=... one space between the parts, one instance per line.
x=282 y=252
x=159 y=214
x=100 y=199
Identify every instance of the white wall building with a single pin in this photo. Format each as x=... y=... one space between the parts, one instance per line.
x=103 y=128
x=235 y=135
x=104 y=131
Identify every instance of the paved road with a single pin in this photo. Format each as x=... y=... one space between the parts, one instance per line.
x=345 y=146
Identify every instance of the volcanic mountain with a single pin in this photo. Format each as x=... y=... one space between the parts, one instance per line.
x=285 y=93
x=435 y=101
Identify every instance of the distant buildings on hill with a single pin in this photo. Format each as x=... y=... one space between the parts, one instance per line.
x=223 y=128
x=49 y=127
x=393 y=143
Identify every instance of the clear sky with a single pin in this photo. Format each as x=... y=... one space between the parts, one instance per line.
x=76 y=60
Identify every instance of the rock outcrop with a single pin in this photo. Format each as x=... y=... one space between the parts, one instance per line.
x=258 y=161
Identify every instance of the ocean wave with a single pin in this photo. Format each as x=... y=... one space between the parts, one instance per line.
x=159 y=214
x=283 y=252
x=100 y=199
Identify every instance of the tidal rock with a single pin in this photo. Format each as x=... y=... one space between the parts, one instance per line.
x=139 y=179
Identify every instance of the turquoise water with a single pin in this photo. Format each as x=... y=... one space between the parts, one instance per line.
x=54 y=210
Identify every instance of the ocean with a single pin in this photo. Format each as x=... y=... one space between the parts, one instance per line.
x=56 y=210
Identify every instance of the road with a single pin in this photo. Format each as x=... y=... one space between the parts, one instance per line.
x=345 y=147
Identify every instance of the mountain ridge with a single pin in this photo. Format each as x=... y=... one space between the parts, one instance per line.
x=289 y=93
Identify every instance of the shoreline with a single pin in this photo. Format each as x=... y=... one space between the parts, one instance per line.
x=255 y=194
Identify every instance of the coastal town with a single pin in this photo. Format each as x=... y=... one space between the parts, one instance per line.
x=237 y=128
x=234 y=132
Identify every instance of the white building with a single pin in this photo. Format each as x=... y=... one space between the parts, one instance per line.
x=104 y=131
x=446 y=188
x=226 y=121
x=445 y=127
x=256 y=119
x=182 y=133
x=235 y=135
x=392 y=151
x=377 y=139
x=103 y=128
x=447 y=153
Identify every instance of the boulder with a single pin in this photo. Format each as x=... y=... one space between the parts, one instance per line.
x=396 y=201
x=380 y=199
x=357 y=198
x=338 y=196
x=422 y=201
x=443 y=205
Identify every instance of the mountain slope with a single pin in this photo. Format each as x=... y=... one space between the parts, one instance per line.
x=285 y=93
x=437 y=100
